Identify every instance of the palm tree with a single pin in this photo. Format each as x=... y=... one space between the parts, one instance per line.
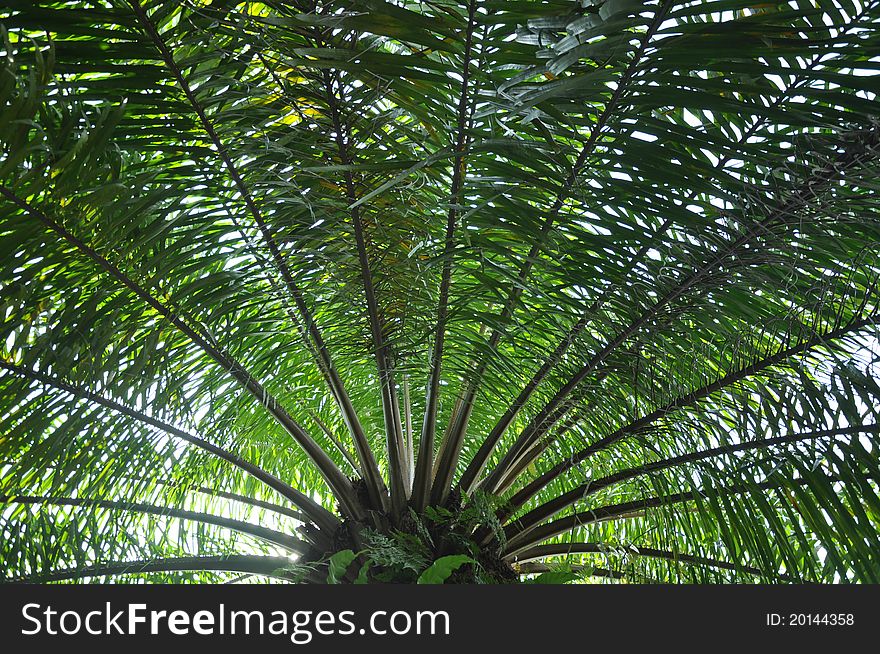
x=440 y=290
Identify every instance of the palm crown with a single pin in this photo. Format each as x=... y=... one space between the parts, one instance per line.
x=368 y=291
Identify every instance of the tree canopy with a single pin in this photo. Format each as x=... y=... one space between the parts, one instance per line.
x=463 y=290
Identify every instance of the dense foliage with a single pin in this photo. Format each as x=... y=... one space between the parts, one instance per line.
x=439 y=291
